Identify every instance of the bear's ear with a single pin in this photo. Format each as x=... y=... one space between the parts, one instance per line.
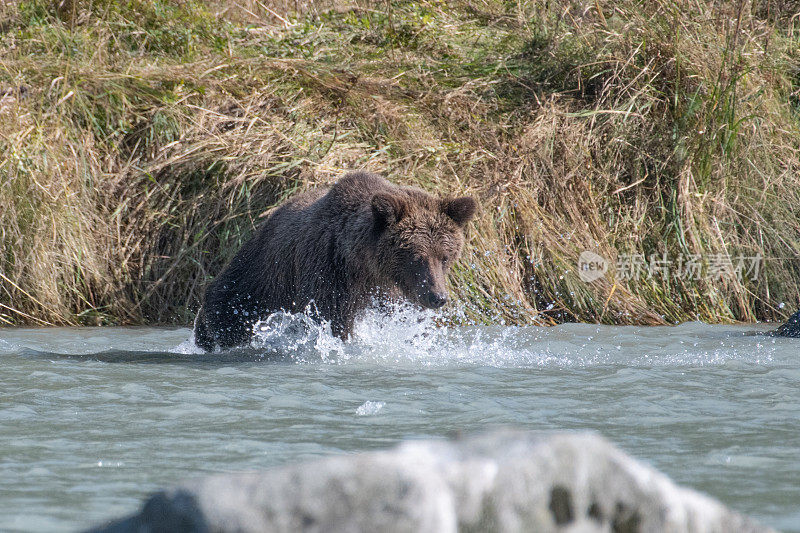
x=461 y=210
x=387 y=209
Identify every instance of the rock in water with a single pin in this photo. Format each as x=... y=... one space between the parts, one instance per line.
x=791 y=328
x=502 y=481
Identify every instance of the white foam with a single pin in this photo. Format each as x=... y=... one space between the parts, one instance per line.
x=6 y=346
x=370 y=408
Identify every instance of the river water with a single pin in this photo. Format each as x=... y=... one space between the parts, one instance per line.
x=93 y=419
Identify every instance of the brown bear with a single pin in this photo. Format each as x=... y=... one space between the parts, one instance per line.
x=330 y=251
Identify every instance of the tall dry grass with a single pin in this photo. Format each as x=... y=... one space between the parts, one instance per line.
x=141 y=142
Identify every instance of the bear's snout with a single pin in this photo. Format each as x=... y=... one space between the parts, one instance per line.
x=428 y=286
x=435 y=300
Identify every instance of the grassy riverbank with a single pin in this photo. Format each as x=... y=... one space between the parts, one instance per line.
x=141 y=141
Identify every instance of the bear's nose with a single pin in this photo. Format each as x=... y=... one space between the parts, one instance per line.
x=436 y=300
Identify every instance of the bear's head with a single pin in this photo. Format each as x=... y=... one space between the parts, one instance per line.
x=419 y=237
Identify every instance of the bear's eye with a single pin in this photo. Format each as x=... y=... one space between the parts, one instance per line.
x=446 y=259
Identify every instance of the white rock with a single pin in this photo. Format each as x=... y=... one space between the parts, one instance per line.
x=502 y=481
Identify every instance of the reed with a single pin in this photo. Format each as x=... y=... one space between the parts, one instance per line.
x=141 y=142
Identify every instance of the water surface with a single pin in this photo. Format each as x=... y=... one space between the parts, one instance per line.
x=93 y=419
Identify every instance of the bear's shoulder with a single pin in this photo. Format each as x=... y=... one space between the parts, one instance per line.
x=364 y=185
x=362 y=182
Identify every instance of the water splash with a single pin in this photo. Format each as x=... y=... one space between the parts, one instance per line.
x=405 y=336
x=188 y=347
x=297 y=335
x=400 y=334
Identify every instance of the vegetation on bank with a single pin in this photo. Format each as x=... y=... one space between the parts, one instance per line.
x=141 y=141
